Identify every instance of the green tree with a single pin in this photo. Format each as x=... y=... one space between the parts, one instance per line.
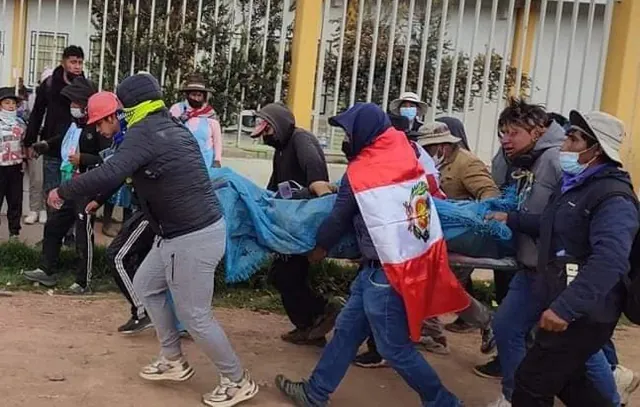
x=382 y=49
x=178 y=55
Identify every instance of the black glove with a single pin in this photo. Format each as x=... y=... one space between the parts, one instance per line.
x=40 y=147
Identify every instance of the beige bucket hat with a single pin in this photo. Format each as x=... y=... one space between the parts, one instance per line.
x=394 y=106
x=607 y=129
x=435 y=133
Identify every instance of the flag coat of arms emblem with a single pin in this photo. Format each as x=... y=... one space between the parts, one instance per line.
x=393 y=196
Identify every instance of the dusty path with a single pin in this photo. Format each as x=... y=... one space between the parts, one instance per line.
x=58 y=351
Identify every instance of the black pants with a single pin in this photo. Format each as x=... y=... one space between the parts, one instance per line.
x=502 y=279
x=11 y=189
x=555 y=366
x=58 y=224
x=290 y=276
x=125 y=254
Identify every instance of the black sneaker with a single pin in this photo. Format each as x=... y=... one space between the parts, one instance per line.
x=488 y=341
x=135 y=325
x=295 y=392
x=370 y=360
x=490 y=370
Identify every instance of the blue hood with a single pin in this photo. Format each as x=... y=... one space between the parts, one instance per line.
x=363 y=122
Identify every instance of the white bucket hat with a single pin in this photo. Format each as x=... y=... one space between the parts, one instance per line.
x=394 y=106
x=435 y=133
x=607 y=129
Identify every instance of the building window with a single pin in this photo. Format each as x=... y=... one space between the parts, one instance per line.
x=49 y=53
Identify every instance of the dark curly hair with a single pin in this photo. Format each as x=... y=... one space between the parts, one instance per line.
x=522 y=114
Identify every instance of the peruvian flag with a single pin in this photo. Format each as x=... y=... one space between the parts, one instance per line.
x=392 y=191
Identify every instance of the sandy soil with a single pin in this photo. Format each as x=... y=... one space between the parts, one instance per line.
x=59 y=351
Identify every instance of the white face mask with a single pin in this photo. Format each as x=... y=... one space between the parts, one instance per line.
x=77 y=112
x=8 y=116
x=438 y=158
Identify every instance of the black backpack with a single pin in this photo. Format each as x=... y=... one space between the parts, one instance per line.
x=631 y=304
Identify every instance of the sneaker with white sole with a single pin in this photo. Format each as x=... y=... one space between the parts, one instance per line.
x=627 y=382
x=31 y=218
x=42 y=217
x=163 y=369
x=39 y=276
x=230 y=393
x=501 y=402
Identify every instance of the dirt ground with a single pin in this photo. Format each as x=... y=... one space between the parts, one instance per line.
x=60 y=351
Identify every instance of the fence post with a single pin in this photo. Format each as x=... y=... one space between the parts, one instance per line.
x=521 y=53
x=304 y=60
x=621 y=90
x=18 y=41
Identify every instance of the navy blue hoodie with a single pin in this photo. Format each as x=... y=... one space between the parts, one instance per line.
x=362 y=123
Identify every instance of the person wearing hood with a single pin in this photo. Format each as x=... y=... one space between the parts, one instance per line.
x=52 y=108
x=199 y=117
x=80 y=150
x=585 y=235
x=456 y=127
x=529 y=157
x=410 y=106
x=298 y=158
x=12 y=130
x=377 y=151
x=176 y=195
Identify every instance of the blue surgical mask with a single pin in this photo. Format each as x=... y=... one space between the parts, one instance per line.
x=409 y=112
x=570 y=164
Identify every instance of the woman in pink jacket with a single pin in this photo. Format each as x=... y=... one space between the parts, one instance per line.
x=200 y=118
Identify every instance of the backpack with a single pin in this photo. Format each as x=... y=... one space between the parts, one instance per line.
x=631 y=280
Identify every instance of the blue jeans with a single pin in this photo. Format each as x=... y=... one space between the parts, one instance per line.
x=50 y=173
x=179 y=325
x=610 y=353
x=375 y=308
x=518 y=313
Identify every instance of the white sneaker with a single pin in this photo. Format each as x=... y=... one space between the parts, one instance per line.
x=229 y=394
x=501 y=402
x=42 y=217
x=165 y=369
x=31 y=218
x=627 y=381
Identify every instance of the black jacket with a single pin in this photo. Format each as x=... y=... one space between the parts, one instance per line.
x=169 y=175
x=298 y=156
x=50 y=103
x=591 y=228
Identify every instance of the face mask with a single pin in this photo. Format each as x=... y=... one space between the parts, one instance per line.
x=8 y=116
x=409 y=112
x=347 y=149
x=195 y=103
x=438 y=158
x=77 y=112
x=570 y=164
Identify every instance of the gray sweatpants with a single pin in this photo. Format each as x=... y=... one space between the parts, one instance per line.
x=186 y=265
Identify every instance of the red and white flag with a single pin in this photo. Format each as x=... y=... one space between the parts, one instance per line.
x=392 y=192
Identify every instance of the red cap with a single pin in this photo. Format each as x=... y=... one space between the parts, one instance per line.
x=261 y=125
x=101 y=105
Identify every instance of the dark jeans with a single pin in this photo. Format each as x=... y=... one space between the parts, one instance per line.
x=555 y=366
x=375 y=308
x=125 y=254
x=50 y=173
x=58 y=223
x=502 y=279
x=290 y=276
x=11 y=189
x=512 y=323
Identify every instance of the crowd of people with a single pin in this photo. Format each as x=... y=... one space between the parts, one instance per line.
x=574 y=229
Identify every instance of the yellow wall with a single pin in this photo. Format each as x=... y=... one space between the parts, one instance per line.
x=516 y=46
x=19 y=42
x=304 y=59
x=620 y=89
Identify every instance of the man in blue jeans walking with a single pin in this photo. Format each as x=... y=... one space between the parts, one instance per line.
x=375 y=307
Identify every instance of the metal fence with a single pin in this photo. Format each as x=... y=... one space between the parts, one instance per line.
x=463 y=57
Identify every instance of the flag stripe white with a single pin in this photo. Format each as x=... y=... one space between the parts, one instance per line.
x=388 y=223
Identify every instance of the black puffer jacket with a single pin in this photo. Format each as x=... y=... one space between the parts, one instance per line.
x=298 y=155
x=169 y=176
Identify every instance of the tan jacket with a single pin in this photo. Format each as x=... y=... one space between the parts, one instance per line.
x=465 y=176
